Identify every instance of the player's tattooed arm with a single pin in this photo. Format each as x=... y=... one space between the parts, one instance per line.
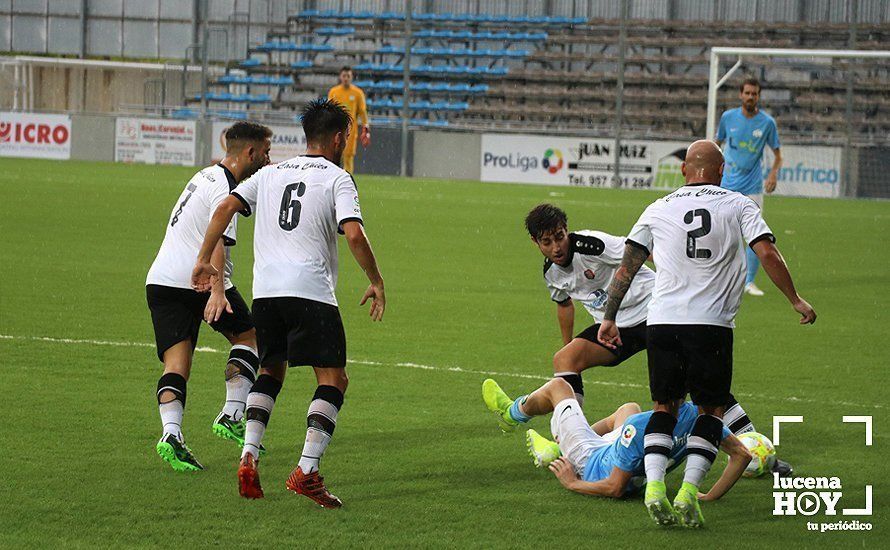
x=634 y=258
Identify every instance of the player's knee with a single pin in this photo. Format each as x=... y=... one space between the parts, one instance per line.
x=246 y=338
x=631 y=408
x=559 y=389
x=565 y=360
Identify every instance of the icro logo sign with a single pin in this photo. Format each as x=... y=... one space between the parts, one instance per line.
x=552 y=160
x=808 y=496
x=17 y=132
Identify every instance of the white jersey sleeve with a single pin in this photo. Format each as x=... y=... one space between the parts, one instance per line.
x=557 y=294
x=641 y=233
x=754 y=227
x=346 y=201
x=613 y=249
x=215 y=196
x=247 y=192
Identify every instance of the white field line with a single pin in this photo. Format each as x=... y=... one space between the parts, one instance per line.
x=790 y=399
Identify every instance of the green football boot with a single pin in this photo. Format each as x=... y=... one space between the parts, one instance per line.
x=542 y=450
x=499 y=403
x=177 y=454
x=228 y=428
x=687 y=508
x=658 y=505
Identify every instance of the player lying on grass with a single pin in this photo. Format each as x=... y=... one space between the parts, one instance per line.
x=301 y=205
x=579 y=266
x=605 y=459
x=177 y=310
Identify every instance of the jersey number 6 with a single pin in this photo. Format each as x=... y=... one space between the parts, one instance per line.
x=705 y=228
x=289 y=215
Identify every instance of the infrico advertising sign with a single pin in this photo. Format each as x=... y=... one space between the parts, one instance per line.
x=34 y=135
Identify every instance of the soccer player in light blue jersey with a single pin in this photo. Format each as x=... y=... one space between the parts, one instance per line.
x=746 y=130
x=607 y=458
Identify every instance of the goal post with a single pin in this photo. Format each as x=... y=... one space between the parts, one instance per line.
x=715 y=80
x=830 y=106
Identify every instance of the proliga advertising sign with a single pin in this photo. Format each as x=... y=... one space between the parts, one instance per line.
x=34 y=135
x=155 y=141
x=807 y=171
x=577 y=161
x=287 y=141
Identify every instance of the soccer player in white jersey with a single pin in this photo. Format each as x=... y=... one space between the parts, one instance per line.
x=300 y=205
x=578 y=267
x=177 y=310
x=696 y=236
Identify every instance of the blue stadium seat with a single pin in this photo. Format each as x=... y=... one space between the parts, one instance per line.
x=462 y=35
x=364 y=14
x=479 y=88
x=308 y=13
x=250 y=63
x=335 y=31
x=516 y=53
x=184 y=113
x=240 y=115
x=461 y=87
x=391 y=16
x=390 y=49
x=303 y=64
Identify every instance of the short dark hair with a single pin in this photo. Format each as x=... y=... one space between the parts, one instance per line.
x=545 y=218
x=346 y=68
x=241 y=133
x=749 y=81
x=246 y=130
x=324 y=117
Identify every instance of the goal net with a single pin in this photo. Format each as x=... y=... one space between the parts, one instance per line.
x=832 y=110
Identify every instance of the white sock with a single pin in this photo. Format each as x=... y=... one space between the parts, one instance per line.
x=254 y=430
x=322 y=419
x=171 y=418
x=237 y=389
x=697 y=468
x=702 y=454
x=656 y=465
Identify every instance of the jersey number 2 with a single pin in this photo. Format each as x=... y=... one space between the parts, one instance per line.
x=691 y=250
x=289 y=215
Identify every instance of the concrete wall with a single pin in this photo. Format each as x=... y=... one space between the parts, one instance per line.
x=444 y=154
x=92 y=137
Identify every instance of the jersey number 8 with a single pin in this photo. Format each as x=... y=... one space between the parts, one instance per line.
x=289 y=215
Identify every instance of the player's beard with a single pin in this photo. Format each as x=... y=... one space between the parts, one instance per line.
x=338 y=158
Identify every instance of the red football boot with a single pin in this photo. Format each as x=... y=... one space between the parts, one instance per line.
x=249 y=478
x=312 y=486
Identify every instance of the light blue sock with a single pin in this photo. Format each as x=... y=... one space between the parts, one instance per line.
x=517 y=414
x=753 y=265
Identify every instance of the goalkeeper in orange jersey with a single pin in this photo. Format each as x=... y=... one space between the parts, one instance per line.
x=353 y=98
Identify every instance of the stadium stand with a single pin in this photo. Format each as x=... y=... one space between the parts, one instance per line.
x=466 y=69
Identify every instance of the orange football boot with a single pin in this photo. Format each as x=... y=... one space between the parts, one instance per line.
x=249 y=478
x=312 y=486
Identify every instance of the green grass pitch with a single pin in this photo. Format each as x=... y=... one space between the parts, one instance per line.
x=417 y=459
